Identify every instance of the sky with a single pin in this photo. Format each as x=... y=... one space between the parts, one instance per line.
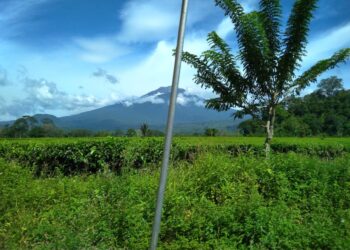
x=64 y=57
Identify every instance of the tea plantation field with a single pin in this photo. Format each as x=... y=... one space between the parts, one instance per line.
x=71 y=156
x=222 y=193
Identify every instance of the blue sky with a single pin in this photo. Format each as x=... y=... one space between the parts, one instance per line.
x=67 y=56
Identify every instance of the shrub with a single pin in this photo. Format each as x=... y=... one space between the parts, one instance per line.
x=218 y=202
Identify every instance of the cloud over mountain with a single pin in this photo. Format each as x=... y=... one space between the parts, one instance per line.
x=162 y=96
x=40 y=95
x=104 y=74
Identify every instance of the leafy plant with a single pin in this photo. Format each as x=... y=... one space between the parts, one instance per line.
x=76 y=156
x=215 y=202
x=269 y=59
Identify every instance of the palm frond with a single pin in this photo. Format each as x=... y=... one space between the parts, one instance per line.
x=254 y=47
x=205 y=76
x=218 y=104
x=295 y=39
x=224 y=79
x=232 y=9
x=311 y=75
x=221 y=60
x=252 y=40
x=271 y=12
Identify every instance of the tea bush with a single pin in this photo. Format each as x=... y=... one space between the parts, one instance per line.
x=290 y=201
x=74 y=156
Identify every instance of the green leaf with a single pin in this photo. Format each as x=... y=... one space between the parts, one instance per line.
x=320 y=67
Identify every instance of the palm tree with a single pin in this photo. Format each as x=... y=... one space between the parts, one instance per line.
x=269 y=59
x=144 y=130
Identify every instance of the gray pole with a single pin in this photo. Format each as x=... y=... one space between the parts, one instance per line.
x=169 y=129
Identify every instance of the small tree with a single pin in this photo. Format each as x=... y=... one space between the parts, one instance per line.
x=131 y=132
x=211 y=132
x=144 y=128
x=269 y=60
x=330 y=86
x=22 y=126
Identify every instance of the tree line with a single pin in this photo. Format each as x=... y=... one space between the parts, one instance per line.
x=30 y=127
x=324 y=112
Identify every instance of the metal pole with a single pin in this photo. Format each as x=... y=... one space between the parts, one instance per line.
x=169 y=129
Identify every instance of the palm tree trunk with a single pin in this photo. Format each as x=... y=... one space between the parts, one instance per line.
x=269 y=130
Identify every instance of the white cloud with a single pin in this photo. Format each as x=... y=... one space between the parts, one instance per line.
x=153 y=99
x=147 y=21
x=225 y=27
x=182 y=100
x=325 y=44
x=157 y=68
x=43 y=92
x=100 y=49
x=154 y=20
x=41 y=95
x=153 y=71
x=249 y=5
x=151 y=21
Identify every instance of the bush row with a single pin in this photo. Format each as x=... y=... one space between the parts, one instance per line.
x=114 y=153
x=217 y=202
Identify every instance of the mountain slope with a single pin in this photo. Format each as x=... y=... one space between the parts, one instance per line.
x=152 y=109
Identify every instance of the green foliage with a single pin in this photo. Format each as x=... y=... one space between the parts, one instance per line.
x=103 y=133
x=330 y=86
x=131 y=132
x=251 y=127
x=295 y=41
x=145 y=131
x=326 y=111
x=218 y=202
x=270 y=59
x=311 y=75
x=21 y=127
x=79 y=133
x=211 y=132
x=28 y=126
x=74 y=156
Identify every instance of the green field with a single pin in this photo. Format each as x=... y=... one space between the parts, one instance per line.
x=222 y=193
x=202 y=140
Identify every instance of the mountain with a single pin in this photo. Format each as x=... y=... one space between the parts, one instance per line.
x=151 y=108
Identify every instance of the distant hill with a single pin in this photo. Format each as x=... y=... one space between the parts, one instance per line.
x=151 y=108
